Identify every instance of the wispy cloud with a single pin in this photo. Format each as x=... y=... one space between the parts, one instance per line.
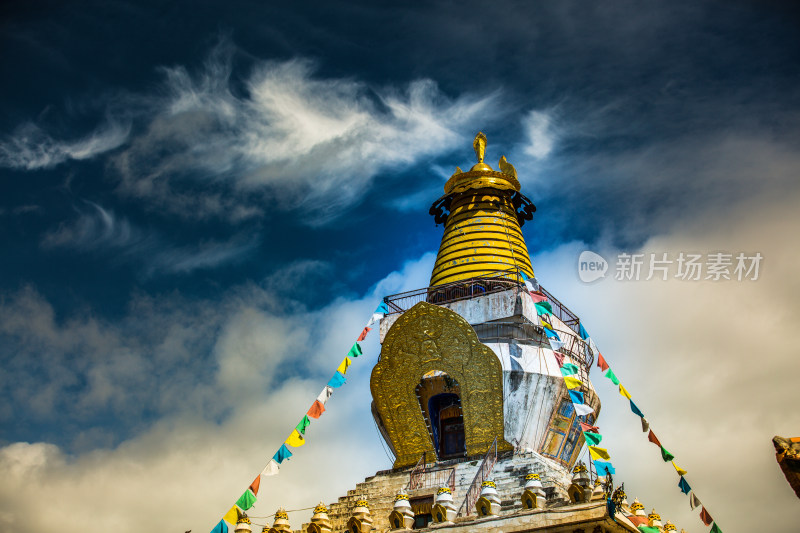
x=285 y=137
x=206 y=255
x=93 y=228
x=29 y=147
x=100 y=230
x=293 y=137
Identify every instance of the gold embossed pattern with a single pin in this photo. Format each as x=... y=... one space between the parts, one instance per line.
x=426 y=338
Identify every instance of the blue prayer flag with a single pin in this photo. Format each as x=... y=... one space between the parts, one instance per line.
x=523 y=274
x=337 y=380
x=575 y=396
x=222 y=527
x=583 y=332
x=551 y=334
x=612 y=508
x=604 y=468
x=383 y=308
x=684 y=486
x=281 y=454
x=636 y=410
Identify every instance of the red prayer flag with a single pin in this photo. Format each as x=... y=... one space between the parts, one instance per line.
x=316 y=410
x=638 y=520
x=601 y=362
x=652 y=438
x=705 y=517
x=559 y=358
x=363 y=334
x=587 y=427
x=255 y=484
x=538 y=297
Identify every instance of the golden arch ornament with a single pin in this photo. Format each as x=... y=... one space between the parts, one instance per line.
x=428 y=337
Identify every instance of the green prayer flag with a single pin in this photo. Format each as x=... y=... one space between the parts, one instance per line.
x=610 y=375
x=569 y=369
x=246 y=500
x=715 y=528
x=666 y=455
x=649 y=529
x=592 y=439
x=543 y=308
x=304 y=423
x=355 y=351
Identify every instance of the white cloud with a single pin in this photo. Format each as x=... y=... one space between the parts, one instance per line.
x=538 y=127
x=31 y=148
x=224 y=380
x=291 y=137
x=709 y=363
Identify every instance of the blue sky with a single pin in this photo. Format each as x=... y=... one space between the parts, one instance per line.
x=200 y=205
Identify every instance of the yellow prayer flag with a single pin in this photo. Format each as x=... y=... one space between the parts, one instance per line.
x=295 y=440
x=681 y=471
x=344 y=364
x=599 y=453
x=545 y=323
x=624 y=391
x=232 y=516
x=572 y=383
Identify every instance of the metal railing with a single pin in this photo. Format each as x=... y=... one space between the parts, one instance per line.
x=501 y=280
x=422 y=478
x=489 y=460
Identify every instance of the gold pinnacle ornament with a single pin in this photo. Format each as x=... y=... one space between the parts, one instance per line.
x=483 y=212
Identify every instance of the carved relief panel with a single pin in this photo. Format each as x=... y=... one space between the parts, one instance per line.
x=426 y=338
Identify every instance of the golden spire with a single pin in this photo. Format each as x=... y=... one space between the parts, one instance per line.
x=483 y=212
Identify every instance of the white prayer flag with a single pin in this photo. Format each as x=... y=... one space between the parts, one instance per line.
x=582 y=409
x=556 y=345
x=326 y=393
x=271 y=469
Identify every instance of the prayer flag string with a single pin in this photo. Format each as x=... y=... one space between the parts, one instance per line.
x=296 y=438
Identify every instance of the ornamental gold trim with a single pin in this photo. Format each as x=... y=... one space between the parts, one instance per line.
x=426 y=338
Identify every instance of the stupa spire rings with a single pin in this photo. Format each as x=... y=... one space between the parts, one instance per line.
x=483 y=212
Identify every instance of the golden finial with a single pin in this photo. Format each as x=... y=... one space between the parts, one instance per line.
x=479 y=144
x=532 y=476
x=506 y=167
